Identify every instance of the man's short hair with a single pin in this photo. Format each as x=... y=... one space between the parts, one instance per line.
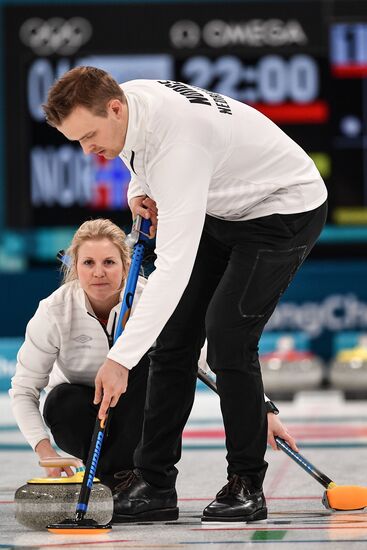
x=87 y=87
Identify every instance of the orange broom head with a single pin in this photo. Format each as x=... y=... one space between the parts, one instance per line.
x=78 y=527
x=346 y=497
x=73 y=531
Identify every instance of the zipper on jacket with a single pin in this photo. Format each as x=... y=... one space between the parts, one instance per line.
x=109 y=336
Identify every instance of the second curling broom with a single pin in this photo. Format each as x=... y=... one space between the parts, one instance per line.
x=336 y=497
x=80 y=525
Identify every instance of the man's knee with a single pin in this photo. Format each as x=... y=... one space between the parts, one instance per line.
x=231 y=348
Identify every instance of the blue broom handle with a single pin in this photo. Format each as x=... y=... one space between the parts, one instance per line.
x=322 y=478
x=133 y=276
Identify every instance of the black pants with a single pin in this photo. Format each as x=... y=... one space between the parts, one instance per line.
x=70 y=414
x=240 y=272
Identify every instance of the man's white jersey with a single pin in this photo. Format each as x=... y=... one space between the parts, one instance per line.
x=195 y=153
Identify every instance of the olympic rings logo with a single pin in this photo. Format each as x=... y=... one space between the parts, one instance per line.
x=55 y=35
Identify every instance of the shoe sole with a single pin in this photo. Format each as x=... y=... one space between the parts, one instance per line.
x=256 y=516
x=163 y=514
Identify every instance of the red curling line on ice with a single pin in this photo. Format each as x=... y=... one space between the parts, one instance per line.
x=299 y=432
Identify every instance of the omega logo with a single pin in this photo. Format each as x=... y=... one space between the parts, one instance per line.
x=252 y=33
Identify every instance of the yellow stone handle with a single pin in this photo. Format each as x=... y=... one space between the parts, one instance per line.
x=60 y=462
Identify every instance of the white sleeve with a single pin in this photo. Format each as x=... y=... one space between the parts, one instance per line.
x=134 y=189
x=34 y=363
x=179 y=182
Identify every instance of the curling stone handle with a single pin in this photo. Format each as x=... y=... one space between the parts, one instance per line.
x=60 y=462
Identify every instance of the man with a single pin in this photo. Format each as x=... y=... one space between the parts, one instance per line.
x=239 y=206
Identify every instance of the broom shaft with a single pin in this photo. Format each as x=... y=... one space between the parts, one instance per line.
x=322 y=478
x=130 y=288
x=90 y=469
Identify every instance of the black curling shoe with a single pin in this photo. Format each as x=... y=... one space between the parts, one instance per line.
x=136 y=500
x=239 y=500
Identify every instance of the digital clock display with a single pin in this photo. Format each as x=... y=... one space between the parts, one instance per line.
x=303 y=69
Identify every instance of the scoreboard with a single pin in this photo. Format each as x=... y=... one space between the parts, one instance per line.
x=303 y=64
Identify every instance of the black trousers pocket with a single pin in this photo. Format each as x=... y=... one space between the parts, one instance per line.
x=271 y=274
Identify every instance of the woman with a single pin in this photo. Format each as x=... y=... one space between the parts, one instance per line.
x=67 y=340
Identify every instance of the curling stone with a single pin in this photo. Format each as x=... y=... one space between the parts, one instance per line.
x=348 y=371
x=46 y=500
x=287 y=370
x=291 y=371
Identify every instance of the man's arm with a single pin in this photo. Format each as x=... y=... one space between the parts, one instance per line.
x=179 y=182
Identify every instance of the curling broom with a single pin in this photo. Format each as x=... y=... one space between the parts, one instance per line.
x=336 y=497
x=79 y=525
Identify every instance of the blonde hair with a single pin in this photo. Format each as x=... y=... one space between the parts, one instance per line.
x=95 y=230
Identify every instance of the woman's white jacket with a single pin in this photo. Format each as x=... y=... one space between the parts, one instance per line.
x=64 y=342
